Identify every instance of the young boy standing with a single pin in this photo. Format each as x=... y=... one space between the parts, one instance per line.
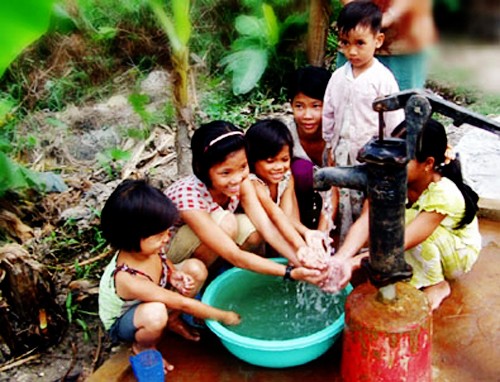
x=349 y=120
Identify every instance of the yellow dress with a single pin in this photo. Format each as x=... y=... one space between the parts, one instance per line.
x=448 y=252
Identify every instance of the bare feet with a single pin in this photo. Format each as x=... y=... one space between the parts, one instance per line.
x=437 y=293
x=177 y=325
x=167 y=366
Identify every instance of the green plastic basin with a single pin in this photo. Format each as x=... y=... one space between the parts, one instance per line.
x=266 y=353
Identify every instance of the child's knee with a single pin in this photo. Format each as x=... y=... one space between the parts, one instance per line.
x=196 y=269
x=153 y=316
x=229 y=225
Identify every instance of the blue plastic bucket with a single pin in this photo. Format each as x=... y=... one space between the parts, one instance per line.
x=148 y=366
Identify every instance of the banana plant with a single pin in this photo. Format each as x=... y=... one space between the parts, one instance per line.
x=177 y=26
x=21 y=23
x=252 y=52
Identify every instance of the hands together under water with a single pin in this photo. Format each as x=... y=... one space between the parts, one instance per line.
x=318 y=254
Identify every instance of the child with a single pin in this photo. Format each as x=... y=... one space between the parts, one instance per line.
x=410 y=32
x=270 y=147
x=136 y=296
x=349 y=120
x=305 y=92
x=208 y=227
x=442 y=239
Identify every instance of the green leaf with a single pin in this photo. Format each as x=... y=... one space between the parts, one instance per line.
x=247 y=67
x=273 y=30
x=296 y=19
x=16 y=177
x=166 y=24
x=105 y=33
x=251 y=26
x=243 y=43
x=254 y=4
x=69 y=307
x=21 y=23
x=6 y=108
x=182 y=24
x=118 y=154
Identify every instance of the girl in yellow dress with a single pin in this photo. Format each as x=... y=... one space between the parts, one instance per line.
x=442 y=239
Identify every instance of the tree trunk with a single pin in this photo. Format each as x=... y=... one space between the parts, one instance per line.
x=29 y=316
x=183 y=112
x=319 y=21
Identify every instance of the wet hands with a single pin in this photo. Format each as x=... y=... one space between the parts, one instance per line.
x=317 y=252
x=336 y=272
x=231 y=318
x=312 y=276
x=336 y=275
x=340 y=271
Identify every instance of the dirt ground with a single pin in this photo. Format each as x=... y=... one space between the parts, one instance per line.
x=75 y=357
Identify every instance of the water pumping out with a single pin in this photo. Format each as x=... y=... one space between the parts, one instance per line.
x=388 y=323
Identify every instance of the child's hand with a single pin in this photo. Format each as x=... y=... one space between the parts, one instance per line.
x=317 y=252
x=339 y=273
x=344 y=273
x=183 y=282
x=318 y=239
x=311 y=258
x=312 y=276
x=231 y=318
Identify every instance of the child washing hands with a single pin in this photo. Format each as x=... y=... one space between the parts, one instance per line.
x=141 y=292
x=270 y=148
x=442 y=239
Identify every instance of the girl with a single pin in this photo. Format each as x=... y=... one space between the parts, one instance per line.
x=442 y=239
x=136 y=299
x=305 y=92
x=270 y=147
x=208 y=226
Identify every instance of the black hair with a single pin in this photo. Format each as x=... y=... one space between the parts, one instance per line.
x=135 y=210
x=433 y=142
x=310 y=81
x=265 y=139
x=211 y=144
x=359 y=13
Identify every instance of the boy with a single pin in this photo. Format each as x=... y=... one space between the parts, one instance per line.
x=349 y=120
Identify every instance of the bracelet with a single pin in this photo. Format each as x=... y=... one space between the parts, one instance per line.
x=288 y=273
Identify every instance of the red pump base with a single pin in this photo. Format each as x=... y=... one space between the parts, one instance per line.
x=388 y=341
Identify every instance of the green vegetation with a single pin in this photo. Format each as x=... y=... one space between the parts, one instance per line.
x=75 y=314
x=256 y=47
x=95 y=47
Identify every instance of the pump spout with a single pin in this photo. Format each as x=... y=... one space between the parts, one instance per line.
x=349 y=177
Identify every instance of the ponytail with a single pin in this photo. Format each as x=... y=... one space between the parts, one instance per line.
x=453 y=171
x=433 y=142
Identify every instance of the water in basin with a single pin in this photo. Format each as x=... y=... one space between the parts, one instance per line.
x=273 y=309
